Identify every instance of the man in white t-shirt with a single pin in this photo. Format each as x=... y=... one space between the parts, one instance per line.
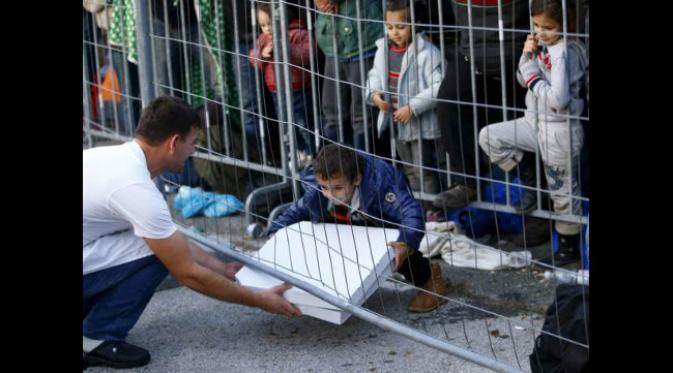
x=130 y=242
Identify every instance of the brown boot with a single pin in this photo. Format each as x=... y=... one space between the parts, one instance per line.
x=426 y=302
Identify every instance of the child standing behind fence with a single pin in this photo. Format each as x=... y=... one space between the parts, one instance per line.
x=412 y=77
x=553 y=69
x=262 y=58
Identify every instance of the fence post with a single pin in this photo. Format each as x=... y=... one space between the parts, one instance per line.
x=145 y=67
x=87 y=99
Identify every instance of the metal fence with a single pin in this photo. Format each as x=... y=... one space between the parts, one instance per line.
x=273 y=90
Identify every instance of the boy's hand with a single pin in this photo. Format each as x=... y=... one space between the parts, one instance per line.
x=382 y=105
x=530 y=47
x=402 y=252
x=326 y=6
x=267 y=51
x=403 y=114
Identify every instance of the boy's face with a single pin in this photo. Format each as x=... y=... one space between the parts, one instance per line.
x=264 y=21
x=398 y=33
x=546 y=29
x=338 y=189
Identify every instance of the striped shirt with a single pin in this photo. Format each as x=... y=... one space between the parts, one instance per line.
x=395 y=55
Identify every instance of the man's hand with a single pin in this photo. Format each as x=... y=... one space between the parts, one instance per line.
x=326 y=6
x=530 y=47
x=267 y=51
x=403 y=114
x=402 y=252
x=273 y=301
x=382 y=105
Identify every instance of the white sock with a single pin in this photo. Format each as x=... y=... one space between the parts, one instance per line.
x=89 y=345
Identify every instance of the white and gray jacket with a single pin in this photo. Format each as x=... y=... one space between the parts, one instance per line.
x=558 y=92
x=420 y=78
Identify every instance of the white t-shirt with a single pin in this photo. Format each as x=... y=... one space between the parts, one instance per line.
x=121 y=206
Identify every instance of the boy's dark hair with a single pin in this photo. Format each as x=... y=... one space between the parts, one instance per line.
x=395 y=5
x=554 y=10
x=164 y=117
x=334 y=161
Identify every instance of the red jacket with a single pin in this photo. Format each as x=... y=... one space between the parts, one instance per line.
x=299 y=56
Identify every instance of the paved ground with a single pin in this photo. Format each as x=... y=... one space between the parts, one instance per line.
x=187 y=332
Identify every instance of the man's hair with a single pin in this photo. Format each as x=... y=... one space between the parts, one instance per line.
x=164 y=117
x=335 y=161
x=554 y=10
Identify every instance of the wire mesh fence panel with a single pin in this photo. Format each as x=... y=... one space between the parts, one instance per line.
x=422 y=165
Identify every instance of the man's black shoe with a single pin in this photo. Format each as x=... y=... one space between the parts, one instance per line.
x=117 y=354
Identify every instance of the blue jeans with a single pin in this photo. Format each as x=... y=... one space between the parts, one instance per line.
x=302 y=108
x=248 y=91
x=114 y=298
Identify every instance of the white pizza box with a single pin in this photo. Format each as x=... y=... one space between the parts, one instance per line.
x=330 y=315
x=346 y=261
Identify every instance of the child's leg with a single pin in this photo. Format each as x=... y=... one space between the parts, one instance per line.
x=357 y=103
x=405 y=151
x=329 y=100
x=505 y=142
x=562 y=177
x=303 y=116
x=425 y=157
x=556 y=151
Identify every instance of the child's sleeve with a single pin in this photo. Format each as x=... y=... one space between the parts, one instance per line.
x=255 y=57
x=374 y=82
x=519 y=77
x=297 y=212
x=300 y=48
x=405 y=210
x=564 y=71
x=432 y=73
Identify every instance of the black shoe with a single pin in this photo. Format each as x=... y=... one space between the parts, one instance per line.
x=527 y=204
x=568 y=251
x=117 y=354
x=536 y=230
x=456 y=197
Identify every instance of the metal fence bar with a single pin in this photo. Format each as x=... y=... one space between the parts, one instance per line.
x=145 y=69
x=359 y=312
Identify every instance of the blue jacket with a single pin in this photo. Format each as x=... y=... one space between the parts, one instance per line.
x=384 y=194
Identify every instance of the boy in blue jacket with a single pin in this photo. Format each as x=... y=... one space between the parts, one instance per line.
x=343 y=186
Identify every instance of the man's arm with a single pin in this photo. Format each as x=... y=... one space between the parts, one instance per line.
x=207 y=260
x=190 y=266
